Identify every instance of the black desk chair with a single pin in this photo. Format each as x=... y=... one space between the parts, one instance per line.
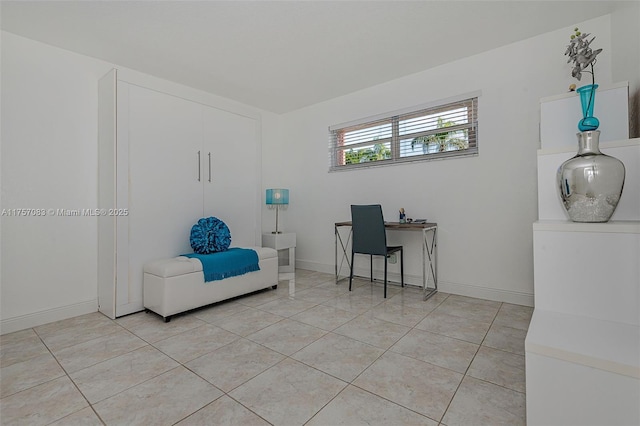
x=369 y=237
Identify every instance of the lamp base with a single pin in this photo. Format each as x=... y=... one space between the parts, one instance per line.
x=276 y=232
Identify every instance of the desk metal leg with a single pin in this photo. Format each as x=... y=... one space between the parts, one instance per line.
x=335 y=228
x=344 y=256
x=430 y=256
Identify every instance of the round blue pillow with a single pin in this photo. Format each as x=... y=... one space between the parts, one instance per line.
x=210 y=235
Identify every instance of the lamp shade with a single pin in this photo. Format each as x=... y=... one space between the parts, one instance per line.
x=277 y=196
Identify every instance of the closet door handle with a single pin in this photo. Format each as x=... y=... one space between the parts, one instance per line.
x=199 y=171
x=209 y=167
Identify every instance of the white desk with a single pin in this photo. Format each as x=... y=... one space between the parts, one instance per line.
x=429 y=250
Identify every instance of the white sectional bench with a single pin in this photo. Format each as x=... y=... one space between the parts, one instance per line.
x=176 y=285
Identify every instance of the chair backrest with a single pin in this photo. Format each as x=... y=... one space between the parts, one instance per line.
x=369 y=236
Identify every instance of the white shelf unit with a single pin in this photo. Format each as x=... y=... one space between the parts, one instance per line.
x=582 y=349
x=581 y=371
x=583 y=344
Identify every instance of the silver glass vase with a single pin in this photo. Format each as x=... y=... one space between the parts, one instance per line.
x=590 y=183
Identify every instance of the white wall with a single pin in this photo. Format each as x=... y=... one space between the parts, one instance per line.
x=49 y=160
x=484 y=205
x=625 y=35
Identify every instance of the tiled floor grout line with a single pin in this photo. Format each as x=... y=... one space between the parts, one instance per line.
x=482 y=344
x=380 y=396
x=225 y=393
x=469 y=366
x=70 y=379
x=232 y=398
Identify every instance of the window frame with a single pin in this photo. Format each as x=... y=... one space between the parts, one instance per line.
x=337 y=148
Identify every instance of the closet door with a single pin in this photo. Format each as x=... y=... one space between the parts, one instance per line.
x=165 y=182
x=233 y=192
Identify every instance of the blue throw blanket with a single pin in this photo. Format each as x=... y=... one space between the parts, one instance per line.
x=228 y=263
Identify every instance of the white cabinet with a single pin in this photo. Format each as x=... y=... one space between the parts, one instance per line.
x=231 y=192
x=167 y=161
x=582 y=349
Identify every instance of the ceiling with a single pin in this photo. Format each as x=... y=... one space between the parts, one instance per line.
x=283 y=55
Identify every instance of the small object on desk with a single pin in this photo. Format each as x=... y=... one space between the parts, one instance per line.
x=420 y=221
x=409 y=220
x=402 y=216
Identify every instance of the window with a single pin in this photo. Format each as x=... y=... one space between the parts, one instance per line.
x=435 y=132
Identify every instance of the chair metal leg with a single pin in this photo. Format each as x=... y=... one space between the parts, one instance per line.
x=351 y=273
x=371 y=262
x=402 y=267
x=385 y=277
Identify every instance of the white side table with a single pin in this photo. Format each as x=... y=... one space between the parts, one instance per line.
x=282 y=242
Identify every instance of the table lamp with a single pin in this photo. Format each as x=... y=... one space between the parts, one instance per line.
x=277 y=199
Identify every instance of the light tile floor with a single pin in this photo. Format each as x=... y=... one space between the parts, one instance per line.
x=310 y=352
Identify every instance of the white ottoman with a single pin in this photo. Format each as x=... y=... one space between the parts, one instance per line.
x=176 y=285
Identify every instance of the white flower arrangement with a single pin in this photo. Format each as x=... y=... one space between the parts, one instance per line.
x=580 y=53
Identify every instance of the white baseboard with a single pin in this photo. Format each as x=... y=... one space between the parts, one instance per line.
x=22 y=322
x=507 y=296
x=470 y=290
x=315 y=266
x=360 y=272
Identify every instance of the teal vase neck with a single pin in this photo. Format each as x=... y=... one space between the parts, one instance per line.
x=587 y=100
x=587 y=88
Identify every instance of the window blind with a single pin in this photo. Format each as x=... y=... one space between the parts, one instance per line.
x=435 y=132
